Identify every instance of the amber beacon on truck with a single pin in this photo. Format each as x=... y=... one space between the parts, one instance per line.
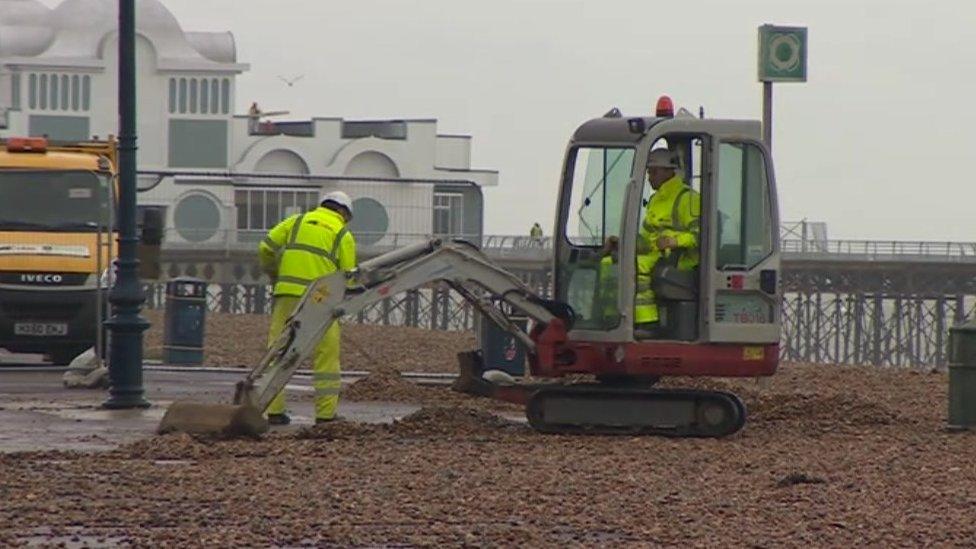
x=57 y=243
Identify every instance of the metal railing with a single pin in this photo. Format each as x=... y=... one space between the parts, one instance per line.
x=502 y=245
x=880 y=248
x=247 y=240
x=835 y=328
x=880 y=330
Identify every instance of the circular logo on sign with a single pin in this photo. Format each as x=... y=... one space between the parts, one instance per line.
x=784 y=52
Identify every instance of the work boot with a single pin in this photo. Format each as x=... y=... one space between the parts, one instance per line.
x=321 y=420
x=278 y=419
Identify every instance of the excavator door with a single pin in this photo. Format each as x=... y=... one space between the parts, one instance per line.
x=589 y=266
x=743 y=272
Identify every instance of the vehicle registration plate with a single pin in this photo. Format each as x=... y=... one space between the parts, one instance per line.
x=43 y=329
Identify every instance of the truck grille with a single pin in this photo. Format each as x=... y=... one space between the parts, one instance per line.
x=44 y=306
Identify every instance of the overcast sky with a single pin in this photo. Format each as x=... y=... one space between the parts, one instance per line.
x=874 y=143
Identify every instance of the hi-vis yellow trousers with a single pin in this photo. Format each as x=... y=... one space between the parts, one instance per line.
x=325 y=362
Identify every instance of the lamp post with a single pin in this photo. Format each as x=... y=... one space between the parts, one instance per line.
x=126 y=325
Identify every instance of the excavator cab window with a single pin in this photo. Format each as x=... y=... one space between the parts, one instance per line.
x=689 y=151
x=595 y=185
x=745 y=236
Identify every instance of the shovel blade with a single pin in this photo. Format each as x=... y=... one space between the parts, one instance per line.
x=223 y=420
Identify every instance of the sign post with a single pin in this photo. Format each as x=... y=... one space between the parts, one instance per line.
x=782 y=58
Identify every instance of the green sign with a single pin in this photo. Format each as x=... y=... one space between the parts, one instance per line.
x=782 y=54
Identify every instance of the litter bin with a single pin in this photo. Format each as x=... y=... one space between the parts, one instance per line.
x=183 y=325
x=500 y=350
x=962 y=377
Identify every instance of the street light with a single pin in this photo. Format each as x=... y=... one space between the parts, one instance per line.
x=126 y=325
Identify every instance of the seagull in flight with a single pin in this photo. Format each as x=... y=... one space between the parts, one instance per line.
x=292 y=81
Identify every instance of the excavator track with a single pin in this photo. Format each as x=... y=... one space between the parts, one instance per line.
x=599 y=410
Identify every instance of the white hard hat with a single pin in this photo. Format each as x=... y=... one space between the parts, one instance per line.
x=339 y=198
x=662 y=158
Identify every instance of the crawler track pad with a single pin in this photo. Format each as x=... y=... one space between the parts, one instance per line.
x=223 y=420
x=589 y=409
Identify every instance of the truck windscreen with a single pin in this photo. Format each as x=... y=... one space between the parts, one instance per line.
x=53 y=200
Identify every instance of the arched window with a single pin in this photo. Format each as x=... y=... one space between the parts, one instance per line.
x=372 y=164
x=182 y=95
x=225 y=96
x=65 y=91
x=32 y=91
x=86 y=92
x=43 y=93
x=215 y=96
x=76 y=92
x=281 y=161
x=204 y=96
x=54 y=92
x=193 y=95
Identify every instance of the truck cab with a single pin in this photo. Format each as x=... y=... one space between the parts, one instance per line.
x=57 y=243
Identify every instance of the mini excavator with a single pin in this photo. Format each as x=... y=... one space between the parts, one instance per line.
x=591 y=369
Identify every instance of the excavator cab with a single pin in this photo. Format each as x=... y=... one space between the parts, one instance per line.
x=720 y=317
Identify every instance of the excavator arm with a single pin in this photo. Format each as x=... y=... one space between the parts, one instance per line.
x=460 y=265
x=550 y=407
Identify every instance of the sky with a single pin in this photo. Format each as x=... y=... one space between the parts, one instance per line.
x=873 y=143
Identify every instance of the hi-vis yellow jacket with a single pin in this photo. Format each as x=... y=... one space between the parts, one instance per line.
x=674 y=210
x=304 y=247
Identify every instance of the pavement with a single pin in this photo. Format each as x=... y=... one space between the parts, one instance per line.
x=38 y=413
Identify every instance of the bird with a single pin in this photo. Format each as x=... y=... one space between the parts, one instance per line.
x=292 y=81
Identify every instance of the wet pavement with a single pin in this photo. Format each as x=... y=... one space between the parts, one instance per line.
x=38 y=413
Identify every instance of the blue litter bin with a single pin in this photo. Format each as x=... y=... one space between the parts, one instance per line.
x=500 y=350
x=183 y=325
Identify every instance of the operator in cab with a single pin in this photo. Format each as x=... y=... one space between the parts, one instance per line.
x=669 y=233
x=608 y=275
x=297 y=251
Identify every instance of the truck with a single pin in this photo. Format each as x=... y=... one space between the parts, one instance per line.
x=58 y=205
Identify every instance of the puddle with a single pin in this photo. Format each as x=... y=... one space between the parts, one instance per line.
x=87 y=412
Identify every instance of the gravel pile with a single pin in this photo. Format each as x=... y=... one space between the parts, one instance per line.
x=439 y=421
x=454 y=421
x=386 y=384
x=830 y=457
x=832 y=409
x=239 y=340
x=338 y=429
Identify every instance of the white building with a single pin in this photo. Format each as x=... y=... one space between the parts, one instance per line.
x=58 y=77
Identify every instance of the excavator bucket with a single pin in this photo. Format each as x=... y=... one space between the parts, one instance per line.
x=469 y=375
x=220 y=420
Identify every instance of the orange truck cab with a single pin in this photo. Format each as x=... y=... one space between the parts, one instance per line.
x=57 y=243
